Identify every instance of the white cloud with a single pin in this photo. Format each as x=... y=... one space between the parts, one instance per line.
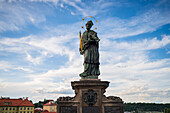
x=51 y=84
x=36 y=60
x=121 y=28
x=15 y=16
x=90 y=8
x=145 y=94
x=24 y=69
x=6 y=66
x=81 y=8
x=139 y=45
x=128 y=67
x=52 y=1
x=54 y=42
x=138 y=82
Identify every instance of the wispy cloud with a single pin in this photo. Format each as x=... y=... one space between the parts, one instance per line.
x=46 y=1
x=138 y=82
x=144 y=44
x=78 y=7
x=16 y=15
x=36 y=60
x=56 y=91
x=54 y=42
x=121 y=28
x=145 y=94
x=6 y=66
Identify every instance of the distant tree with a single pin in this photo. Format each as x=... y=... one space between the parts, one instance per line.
x=31 y=101
x=167 y=110
x=145 y=107
x=41 y=103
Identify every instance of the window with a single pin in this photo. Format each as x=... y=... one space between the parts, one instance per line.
x=21 y=108
x=20 y=112
x=31 y=108
x=3 y=108
x=7 y=103
x=28 y=108
x=13 y=108
x=6 y=108
x=24 y=108
x=10 y=108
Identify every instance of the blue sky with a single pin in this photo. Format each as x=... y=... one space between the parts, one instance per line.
x=39 y=46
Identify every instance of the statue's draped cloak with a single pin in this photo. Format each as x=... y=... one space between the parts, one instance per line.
x=91 y=53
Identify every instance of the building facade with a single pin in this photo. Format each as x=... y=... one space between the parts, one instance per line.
x=8 y=105
x=50 y=106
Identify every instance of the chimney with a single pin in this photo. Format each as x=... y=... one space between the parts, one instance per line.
x=23 y=98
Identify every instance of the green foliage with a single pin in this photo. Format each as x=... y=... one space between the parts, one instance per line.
x=167 y=110
x=31 y=101
x=145 y=107
x=41 y=103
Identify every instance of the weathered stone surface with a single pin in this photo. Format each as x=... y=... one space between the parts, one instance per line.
x=90 y=98
x=65 y=98
x=86 y=84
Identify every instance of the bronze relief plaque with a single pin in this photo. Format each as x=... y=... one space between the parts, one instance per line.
x=111 y=109
x=90 y=97
x=90 y=109
x=68 y=109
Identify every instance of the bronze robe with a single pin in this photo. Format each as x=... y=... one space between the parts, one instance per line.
x=91 y=54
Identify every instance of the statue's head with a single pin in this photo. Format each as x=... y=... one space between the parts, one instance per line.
x=89 y=24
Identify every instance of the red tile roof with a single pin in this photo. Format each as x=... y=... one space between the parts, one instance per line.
x=15 y=102
x=50 y=104
x=41 y=110
x=48 y=112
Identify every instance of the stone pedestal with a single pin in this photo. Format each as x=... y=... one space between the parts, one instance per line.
x=89 y=98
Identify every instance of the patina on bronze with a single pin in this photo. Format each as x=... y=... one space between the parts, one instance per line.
x=90 y=45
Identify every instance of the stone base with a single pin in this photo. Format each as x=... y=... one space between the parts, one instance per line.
x=89 y=98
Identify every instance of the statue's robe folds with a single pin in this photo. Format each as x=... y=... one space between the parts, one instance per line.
x=90 y=50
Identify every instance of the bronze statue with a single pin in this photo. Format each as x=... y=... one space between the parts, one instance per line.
x=89 y=44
